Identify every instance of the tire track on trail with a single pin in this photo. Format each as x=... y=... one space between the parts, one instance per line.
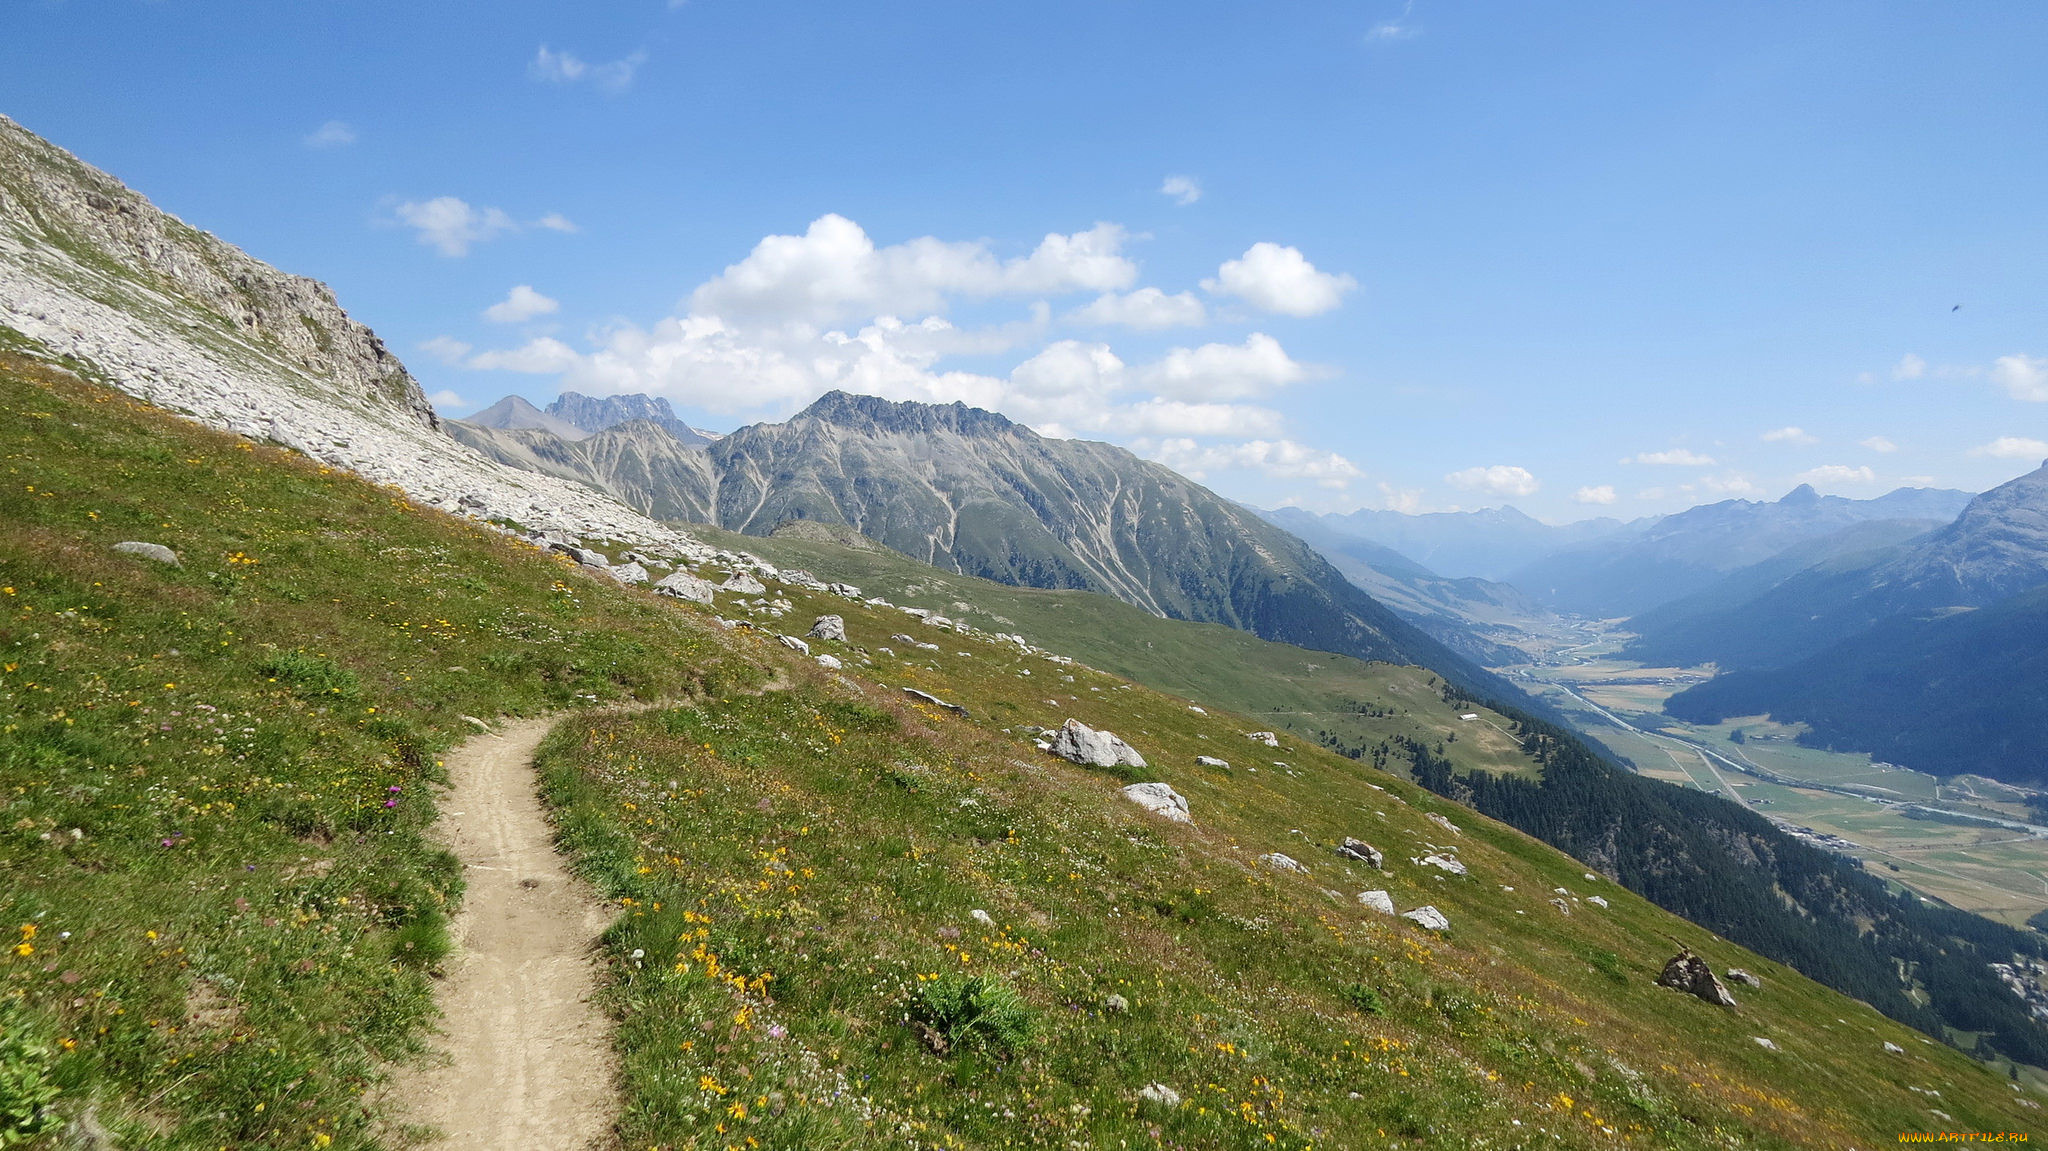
x=526 y=1055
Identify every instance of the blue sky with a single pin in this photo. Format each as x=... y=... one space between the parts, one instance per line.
x=1597 y=258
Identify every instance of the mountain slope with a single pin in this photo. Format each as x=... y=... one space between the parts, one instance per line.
x=1997 y=547
x=970 y=491
x=514 y=413
x=1634 y=571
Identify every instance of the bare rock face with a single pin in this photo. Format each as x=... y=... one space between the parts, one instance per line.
x=1695 y=976
x=167 y=313
x=1078 y=743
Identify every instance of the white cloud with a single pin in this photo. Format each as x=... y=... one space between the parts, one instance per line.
x=1279 y=459
x=544 y=355
x=2013 y=448
x=1679 y=457
x=451 y=226
x=520 y=305
x=332 y=134
x=2023 y=377
x=1184 y=190
x=1731 y=484
x=1387 y=31
x=1406 y=500
x=446 y=399
x=446 y=349
x=567 y=68
x=1789 y=435
x=1837 y=475
x=1602 y=494
x=1499 y=480
x=1273 y=278
x=1879 y=444
x=834 y=271
x=1161 y=417
x=556 y=222
x=1909 y=367
x=1223 y=371
x=1147 y=309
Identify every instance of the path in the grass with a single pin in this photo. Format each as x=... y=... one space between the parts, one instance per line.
x=529 y=1060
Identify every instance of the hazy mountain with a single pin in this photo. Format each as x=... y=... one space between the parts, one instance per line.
x=1634 y=570
x=1997 y=547
x=1488 y=543
x=596 y=413
x=1475 y=617
x=513 y=413
x=970 y=491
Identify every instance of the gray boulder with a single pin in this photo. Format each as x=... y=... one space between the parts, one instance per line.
x=1212 y=761
x=830 y=662
x=1159 y=799
x=829 y=627
x=1265 y=737
x=1363 y=852
x=1159 y=1093
x=1738 y=975
x=740 y=583
x=148 y=551
x=1444 y=863
x=1378 y=901
x=629 y=573
x=935 y=701
x=793 y=644
x=1428 y=918
x=1695 y=976
x=1279 y=862
x=683 y=585
x=1077 y=742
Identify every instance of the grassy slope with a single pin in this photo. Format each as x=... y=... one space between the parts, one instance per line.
x=218 y=928
x=1283 y=688
x=278 y=973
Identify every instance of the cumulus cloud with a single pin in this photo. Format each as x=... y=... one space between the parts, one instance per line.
x=520 y=305
x=1789 y=435
x=1183 y=190
x=2023 y=377
x=1406 y=500
x=446 y=349
x=1909 y=367
x=1678 y=457
x=446 y=399
x=567 y=68
x=834 y=271
x=2013 y=448
x=1879 y=444
x=1279 y=459
x=543 y=355
x=1600 y=494
x=451 y=226
x=1223 y=371
x=332 y=134
x=1273 y=278
x=557 y=222
x=1498 y=480
x=1147 y=309
x=1837 y=475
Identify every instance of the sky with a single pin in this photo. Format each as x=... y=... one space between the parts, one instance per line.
x=1581 y=258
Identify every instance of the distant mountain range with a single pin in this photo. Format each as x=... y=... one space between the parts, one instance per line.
x=971 y=491
x=1488 y=543
x=574 y=416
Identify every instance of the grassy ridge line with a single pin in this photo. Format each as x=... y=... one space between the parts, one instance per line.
x=220 y=910
x=828 y=845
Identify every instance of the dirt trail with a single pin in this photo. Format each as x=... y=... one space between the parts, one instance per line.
x=529 y=1056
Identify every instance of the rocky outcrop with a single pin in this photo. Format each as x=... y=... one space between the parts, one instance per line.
x=1361 y=851
x=1077 y=742
x=1695 y=976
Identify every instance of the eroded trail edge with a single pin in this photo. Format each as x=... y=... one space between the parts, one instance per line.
x=528 y=1059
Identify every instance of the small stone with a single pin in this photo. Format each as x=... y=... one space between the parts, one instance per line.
x=1738 y=975
x=1596 y=900
x=793 y=644
x=1563 y=908
x=1116 y=1005
x=629 y=573
x=1378 y=901
x=1279 y=862
x=1159 y=1093
x=1428 y=918
x=1444 y=863
x=1440 y=821
x=1363 y=852
x=1891 y=1048
x=149 y=551
x=1159 y=799
x=982 y=917
x=1265 y=737
x=1764 y=1043
x=1212 y=761
x=829 y=662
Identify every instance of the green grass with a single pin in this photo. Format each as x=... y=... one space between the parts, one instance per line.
x=239 y=939
x=220 y=911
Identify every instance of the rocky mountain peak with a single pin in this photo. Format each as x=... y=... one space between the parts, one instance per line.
x=591 y=414
x=1801 y=496
x=874 y=415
